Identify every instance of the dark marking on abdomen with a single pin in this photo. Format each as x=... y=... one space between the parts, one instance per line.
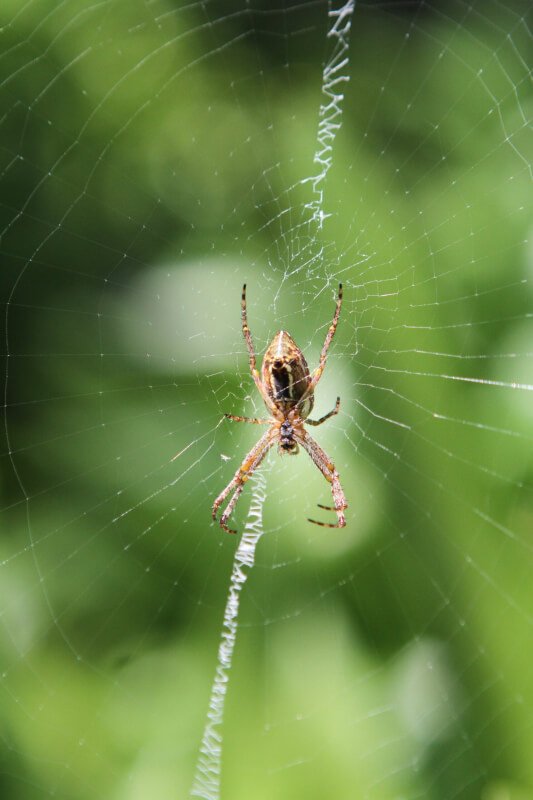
x=283 y=383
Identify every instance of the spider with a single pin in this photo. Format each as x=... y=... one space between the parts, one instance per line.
x=287 y=389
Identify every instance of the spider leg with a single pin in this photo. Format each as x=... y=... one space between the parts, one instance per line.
x=246 y=331
x=229 y=508
x=320 y=458
x=247 y=468
x=250 y=345
x=254 y=420
x=326 y=416
x=315 y=377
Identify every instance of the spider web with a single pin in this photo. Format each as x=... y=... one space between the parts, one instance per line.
x=156 y=156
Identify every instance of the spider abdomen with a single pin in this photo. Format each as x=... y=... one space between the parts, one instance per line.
x=285 y=375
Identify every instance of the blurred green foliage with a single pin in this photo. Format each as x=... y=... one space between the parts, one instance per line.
x=153 y=158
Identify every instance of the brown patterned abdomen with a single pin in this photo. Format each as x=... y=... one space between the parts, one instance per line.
x=285 y=375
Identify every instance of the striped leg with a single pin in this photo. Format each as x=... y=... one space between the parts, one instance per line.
x=331 y=475
x=247 y=468
x=326 y=416
x=250 y=345
x=253 y=420
x=329 y=336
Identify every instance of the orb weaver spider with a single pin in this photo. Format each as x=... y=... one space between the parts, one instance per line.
x=287 y=389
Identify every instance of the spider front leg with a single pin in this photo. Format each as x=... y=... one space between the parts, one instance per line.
x=247 y=468
x=328 y=470
x=251 y=353
x=317 y=374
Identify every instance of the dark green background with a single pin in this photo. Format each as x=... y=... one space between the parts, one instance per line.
x=153 y=158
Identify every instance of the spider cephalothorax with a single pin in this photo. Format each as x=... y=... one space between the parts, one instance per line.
x=287 y=440
x=287 y=389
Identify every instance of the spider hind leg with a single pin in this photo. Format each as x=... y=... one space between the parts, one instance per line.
x=341 y=522
x=329 y=472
